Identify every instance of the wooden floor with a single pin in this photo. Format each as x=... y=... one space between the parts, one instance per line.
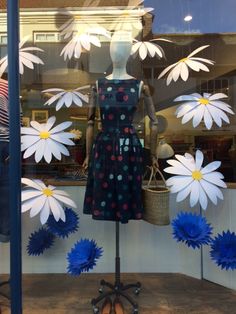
x=161 y=294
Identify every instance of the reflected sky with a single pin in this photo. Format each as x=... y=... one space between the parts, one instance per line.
x=209 y=16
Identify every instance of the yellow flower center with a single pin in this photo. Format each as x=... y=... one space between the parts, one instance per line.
x=197 y=175
x=47 y=192
x=203 y=101
x=44 y=135
x=183 y=60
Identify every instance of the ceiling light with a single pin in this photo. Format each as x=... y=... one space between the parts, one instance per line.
x=188 y=18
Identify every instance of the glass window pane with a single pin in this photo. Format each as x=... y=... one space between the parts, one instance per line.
x=99 y=112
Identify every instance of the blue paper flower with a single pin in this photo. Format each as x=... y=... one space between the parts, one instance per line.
x=64 y=229
x=192 y=229
x=83 y=256
x=39 y=241
x=223 y=250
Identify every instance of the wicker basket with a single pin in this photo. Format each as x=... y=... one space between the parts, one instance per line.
x=156 y=200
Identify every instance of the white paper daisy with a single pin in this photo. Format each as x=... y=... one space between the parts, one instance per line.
x=67 y=98
x=83 y=34
x=78 y=44
x=181 y=68
x=45 y=141
x=129 y=18
x=148 y=48
x=207 y=107
x=40 y=198
x=25 y=58
x=191 y=178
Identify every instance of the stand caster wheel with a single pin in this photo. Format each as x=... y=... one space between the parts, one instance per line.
x=101 y=289
x=95 y=310
x=135 y=311
x=137 y=291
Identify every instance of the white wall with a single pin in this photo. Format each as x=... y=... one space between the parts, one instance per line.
x=222 y=217
x=144 y=247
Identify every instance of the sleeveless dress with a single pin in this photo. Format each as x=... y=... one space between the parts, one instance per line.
x=113 y=190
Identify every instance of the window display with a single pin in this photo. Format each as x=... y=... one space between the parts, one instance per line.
x=107 y=100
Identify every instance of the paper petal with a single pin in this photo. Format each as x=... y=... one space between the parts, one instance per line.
x=198 y=115
x=183 y=194
x=45 y=212
x=199 y=159
x=194 y=195
x=212 y=166
x=65 y=200
x=60 y=127
x=197 y=50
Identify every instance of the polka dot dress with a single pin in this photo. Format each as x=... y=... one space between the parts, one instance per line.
x=114 y=183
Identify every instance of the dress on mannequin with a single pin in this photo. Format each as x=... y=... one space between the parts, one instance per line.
x=115 y=167
x=115 y=164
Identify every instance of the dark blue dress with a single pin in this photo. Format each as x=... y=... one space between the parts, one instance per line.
x=115 y=168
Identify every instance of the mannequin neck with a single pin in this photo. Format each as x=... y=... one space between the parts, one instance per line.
x=119 y=73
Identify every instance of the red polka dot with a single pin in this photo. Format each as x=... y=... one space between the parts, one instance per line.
x=105 y=185
x=96 y=155
x=109 y=147
x=139 y=215
x=132 y=158
x=96 y=212
x=138 y=178
x=113 y=157
x=125 y=206
x=113 y=205
x=126 y=97
x=126 y=130
x=120 y=158
x=88 y=199
x=110 y=116
x=117 y=147
x=102 y=97
x=120 y=89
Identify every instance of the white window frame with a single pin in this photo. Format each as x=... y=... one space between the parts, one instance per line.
x=3 y=35
x=57 y=37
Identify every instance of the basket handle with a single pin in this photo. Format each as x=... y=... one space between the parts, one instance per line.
x=153 y=174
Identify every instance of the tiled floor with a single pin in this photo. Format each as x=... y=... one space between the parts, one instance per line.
x=161 y=294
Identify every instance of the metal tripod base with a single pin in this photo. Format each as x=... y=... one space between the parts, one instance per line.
x=117 y=290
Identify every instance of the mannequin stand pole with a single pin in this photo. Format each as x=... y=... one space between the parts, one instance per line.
x=118 y=289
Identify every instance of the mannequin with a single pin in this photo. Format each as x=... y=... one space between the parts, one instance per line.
x=120 y=49
x=114 y=159
x=109 y=91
